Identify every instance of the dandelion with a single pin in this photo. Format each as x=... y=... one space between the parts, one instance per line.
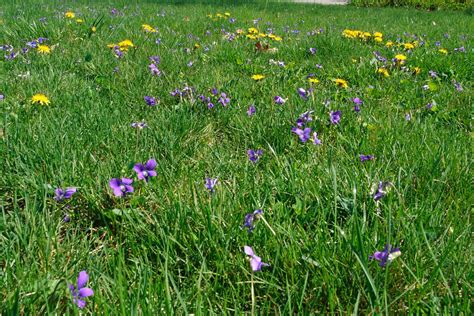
x=387 y=255
x=148 y=28
x=341 y=83
x=43 y=49
x=70 y=15
x=443 y=51
x=257 y=77
x=313 y=80
x=254 y=155
x=121 y=186
x=210 y=184
x=145 y=172
x=255 y=261
x=400 y=59
x=79 y=293
x=40 y=98
x=383 y=72
x=60 y=194
x=335 y=117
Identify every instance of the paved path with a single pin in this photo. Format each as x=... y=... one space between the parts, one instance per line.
x=323 y=1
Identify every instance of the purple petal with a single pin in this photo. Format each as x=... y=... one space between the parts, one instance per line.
x=114 y=183
x=128 y=188
x=85 y=292
x=248 y=251
x=80 y=303
x=69 y=192
x=138 y=167
x=152 y=173
x=151 y=164
x=256 y=263
x=127 y=181
x=82 y=279
x=118 y=192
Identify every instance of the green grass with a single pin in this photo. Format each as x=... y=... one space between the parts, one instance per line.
x=172 y=247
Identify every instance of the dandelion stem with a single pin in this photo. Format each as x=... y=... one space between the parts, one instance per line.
x=268 y=225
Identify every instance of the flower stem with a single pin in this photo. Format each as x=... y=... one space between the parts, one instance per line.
x=253 y=296
x=268 y=225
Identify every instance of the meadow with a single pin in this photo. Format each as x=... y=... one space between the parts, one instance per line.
x=263 y=158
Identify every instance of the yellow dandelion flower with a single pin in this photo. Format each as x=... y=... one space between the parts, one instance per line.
x=43 y=49
x=251 y=36
x=408 y=46
x=79 y=20
x=148 y=28
x=111 y=45
x=313 y=80
x=341 y=83
x=378 y=39
x=277 y=38
x=389 y=44
x=257 y=77
x=443 y=51
x=252 y=30
x=378 y=34
x=227 y=14
x=70 y=15
x=219 y=15
x=400 y=58
x=383 y=72
x=40 y=98
x=125 y=45
x=416 y=70
x=93 y=29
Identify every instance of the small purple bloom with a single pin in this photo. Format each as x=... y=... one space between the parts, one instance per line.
x=158 y=41
x=279 y=100
x=312 y=50
x=41 y=40
x=357 y=101
x=79 y=293
x=364 y=158
x=66 y=218
x=255 y=262
x=145 y=172
x=381 y=190
x=458 y=86
x=303 y=134
x=356 y=108
x=139 y=125
x=319 y=66
x=154 y=69
x=316 y=140
x=154 y=59
x=32 y=44
x=388 y=254
x=210 y=184
x=251 y=111
x=60 y=194
x=249 y=219
x=408 y=117
x=335 y=117
x=151 y=101
x=433 y=74
x=304 y=118
x=303 y=93
x=223 y=99
x=254 y=155
x=121 y=186
x=2 y=97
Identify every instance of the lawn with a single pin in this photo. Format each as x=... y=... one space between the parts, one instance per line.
x=348 y=128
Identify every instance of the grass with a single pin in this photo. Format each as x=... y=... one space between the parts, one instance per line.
x=171 y=246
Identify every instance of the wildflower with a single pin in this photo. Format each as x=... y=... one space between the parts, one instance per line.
x=154 y=70
x=253 y=155
x=388 y=254
x=125 y=45
x=148 y=28
x=32 y=44
x=400 y=59
x=251 y=110
x=60 y=194
x=381 y=190
x=70 y=15
x=79 y=21
x=316 y=140
x=313 y=80
x=155 y=59
x=312 y=50
x=335 y=117
x=121 y=186
x=257 y=77
x=40 y=98
x=357 y=101
x=139 y=125
x=383 y=72
x=364 y=158
x=303 y=134
x=443 y=51
x=408 y=117
x=151 y=101
x=304 y=118
x=145 y=172
x=79 y=293
x=2 y=97
x=303 y=93
x=223 y=99
x=458 y=86
x=341 y=83
x=250 y=218
x=389 y=44
x=255 y=262
x=408 y=46
x=210 y=184
x=416 y=70
x=279 y=100
x=43 y=49
x=93 y=29
x=433 y=74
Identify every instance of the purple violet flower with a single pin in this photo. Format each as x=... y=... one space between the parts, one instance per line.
x=388 y=254
x=254 y=155
x=145 y=172
x=60 y=194
x=139 y=125
x=304 y=118
x=154 y=59
x=251 y=110
x=357 y=101
x=364 y=158
x=210 y=184
x=303 y=93
x=303 y=134
x=381 y=190
x=279 y=100
x=79 y=293
x=312 y=50
x=335 y=117
x=249 y=220
x=154 y=70
x=458 y=86
x=121 y=186
x=151 y=101
x=408 y=117
x=255 y=262
x=316 y=140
